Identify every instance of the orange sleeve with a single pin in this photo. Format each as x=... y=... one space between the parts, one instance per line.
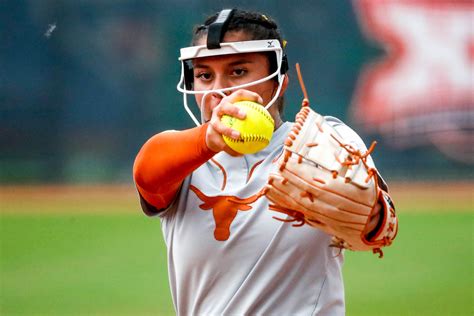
x=165 y=160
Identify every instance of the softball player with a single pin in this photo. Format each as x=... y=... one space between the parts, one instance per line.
x=226 y=254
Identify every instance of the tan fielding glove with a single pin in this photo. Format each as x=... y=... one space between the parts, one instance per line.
x=326 y=183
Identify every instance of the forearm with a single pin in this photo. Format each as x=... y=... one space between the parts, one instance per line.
x=165 y=160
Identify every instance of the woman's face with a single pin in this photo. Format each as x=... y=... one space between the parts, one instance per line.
x=218 y=72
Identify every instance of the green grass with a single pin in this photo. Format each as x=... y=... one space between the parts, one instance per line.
x=80 y=264
x=83 y=265
x=427 y=271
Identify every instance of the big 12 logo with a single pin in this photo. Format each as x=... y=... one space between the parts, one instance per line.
x=422 y=90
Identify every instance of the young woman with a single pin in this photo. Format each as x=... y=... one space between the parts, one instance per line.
x=226 y=254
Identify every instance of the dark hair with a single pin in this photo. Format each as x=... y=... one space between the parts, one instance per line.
x=255 y=25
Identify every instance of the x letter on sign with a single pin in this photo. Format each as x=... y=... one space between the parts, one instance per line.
x=428 y=68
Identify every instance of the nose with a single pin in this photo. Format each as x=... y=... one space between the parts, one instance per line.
x=219 y=95
x=220 y=82
x=212 y=98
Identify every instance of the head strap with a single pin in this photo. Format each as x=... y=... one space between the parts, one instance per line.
x=217 y=29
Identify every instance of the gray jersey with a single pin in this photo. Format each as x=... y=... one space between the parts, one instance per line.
x=228 y=256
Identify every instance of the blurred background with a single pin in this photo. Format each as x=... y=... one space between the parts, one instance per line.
x=83 y=84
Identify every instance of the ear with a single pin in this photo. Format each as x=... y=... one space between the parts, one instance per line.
x=284 y=85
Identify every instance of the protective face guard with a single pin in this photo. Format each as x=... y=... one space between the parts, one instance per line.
x=227 y=48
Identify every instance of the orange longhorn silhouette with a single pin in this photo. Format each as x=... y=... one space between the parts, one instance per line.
x=224 y=209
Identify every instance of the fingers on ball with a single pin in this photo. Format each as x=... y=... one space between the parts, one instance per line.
x=225 y=130
x=244 y=95
x=227 y=108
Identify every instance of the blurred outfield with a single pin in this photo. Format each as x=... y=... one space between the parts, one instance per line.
x=90 y=251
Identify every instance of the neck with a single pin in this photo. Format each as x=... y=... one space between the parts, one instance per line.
x=278 y=122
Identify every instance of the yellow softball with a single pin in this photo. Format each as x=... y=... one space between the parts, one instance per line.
x=256 y=130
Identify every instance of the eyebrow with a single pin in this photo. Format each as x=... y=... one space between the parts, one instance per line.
x=231 y=64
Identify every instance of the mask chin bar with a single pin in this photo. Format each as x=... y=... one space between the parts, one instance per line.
x=185 y=84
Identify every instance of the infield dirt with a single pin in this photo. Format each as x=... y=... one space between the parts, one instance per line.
x=100 y=198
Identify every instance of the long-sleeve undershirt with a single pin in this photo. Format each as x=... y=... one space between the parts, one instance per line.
x=165 y=160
